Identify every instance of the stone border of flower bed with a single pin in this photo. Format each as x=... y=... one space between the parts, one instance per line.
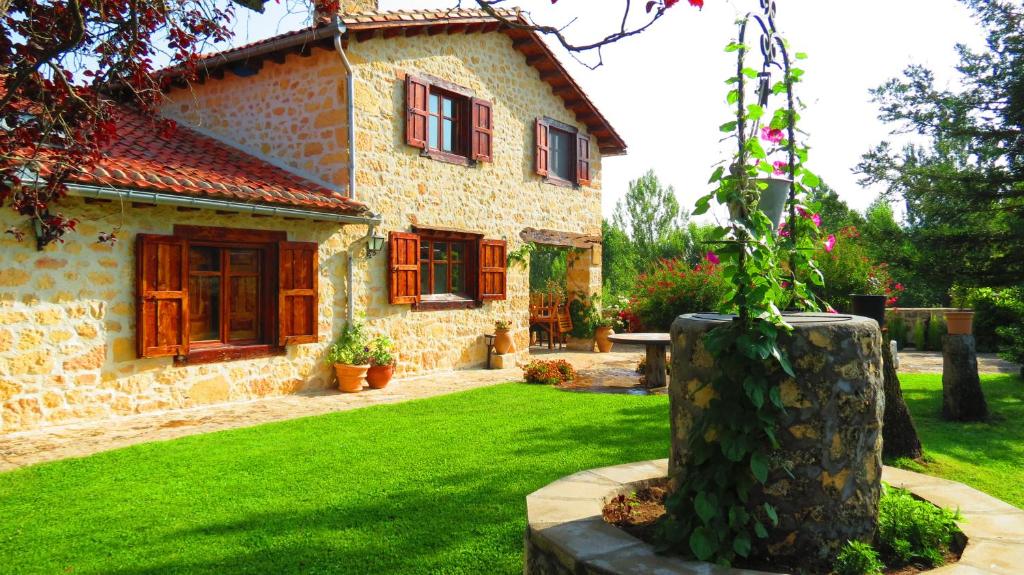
x=566 y=534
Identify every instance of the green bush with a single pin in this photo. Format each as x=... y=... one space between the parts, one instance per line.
x=995 y=309
x=913 y=531
x=917 y=335
x=897 y=330
x=352 y=347
x=672 y=289
x=1013 y=345
x=936 y=329
x=857 y=558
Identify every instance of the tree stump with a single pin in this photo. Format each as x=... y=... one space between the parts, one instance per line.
x=899 y=435
x=962 y=398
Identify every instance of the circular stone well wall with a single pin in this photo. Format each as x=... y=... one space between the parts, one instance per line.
x=830 y=436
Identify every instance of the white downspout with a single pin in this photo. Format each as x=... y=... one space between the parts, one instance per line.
x=350 y=94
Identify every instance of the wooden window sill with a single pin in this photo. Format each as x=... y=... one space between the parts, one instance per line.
x=446 y=157
x=556 y=181
x=218 y=353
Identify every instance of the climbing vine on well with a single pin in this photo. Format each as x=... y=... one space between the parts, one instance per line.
x=716 y=512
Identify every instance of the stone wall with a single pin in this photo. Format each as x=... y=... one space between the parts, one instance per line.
x=67 y=333
x=826 y=482
x=296 y=112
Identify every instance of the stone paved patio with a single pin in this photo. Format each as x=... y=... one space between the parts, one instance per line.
x=931 y=362
x=78 y=440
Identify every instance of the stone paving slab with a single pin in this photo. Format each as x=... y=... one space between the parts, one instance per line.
x=566 y=534
x=912 y=361
x=78 y=440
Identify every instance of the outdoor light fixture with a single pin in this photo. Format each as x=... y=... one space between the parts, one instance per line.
x=375 y=244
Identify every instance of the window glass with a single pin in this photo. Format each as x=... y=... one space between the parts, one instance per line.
x=440 y=251
x=433 y=135
x=449 y=104
x=242 y=309
x=458 y=251
x=449 y=136
x=425 y=278
x=204 y=259
x=560 y=154
x=433 y=103
x=458 y=278
x=441 y=278
x=204 y=308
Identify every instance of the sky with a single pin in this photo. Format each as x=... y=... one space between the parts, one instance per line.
x=664 y=90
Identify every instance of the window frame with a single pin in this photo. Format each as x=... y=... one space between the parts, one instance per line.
x=464 y=129
x=449 y=301
x=208 y=351
x=430 y=262
x=573 y=160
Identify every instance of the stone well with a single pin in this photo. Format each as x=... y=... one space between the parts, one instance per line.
x=830 y=436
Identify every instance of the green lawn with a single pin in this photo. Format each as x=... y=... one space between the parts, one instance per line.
x=988 y=456
x=430 y=486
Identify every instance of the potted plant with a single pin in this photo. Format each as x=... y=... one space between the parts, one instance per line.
x=604 y=327
x=350 y=357
x=959 y=322
x=382 y=362
x=881 y=292
x=502 y=338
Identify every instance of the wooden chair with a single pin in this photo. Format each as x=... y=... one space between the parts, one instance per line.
x=564 y=325
x=544 y=315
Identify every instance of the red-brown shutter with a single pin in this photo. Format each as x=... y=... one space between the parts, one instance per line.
x=491 y=283
x=297 y=304
x=541 y=153
x=161 y=295
x=582 y=160
x=403 y=268
x=417 y=92
x=483 y=130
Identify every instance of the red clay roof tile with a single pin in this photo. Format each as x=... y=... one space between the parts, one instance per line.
x=191 y=164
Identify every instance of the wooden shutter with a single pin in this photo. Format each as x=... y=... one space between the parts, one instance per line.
x=491 y=282
x=297 y=293
x=482 y=136
x=162 y=295
x=417 y=92
x=582 y=160
x=403 y=268
x=541 y=153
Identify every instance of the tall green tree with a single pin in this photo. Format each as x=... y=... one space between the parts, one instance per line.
x=964 y=189
x=618 y=259
x=649 y=214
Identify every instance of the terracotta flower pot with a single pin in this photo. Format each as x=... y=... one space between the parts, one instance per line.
x=959 y=322
x=502 y=341
x=378 y=376
x=350 y=377
x=604 y=345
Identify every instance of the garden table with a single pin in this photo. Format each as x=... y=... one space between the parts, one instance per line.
x=655 y=344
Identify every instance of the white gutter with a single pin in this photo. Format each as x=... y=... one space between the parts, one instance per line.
x=350 y=95
x=105 y=193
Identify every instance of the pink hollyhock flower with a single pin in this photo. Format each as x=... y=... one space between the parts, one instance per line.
x=783 y=232
x=830 y=309
x=816 y=218
x=773 y=135
x=713 y=258
x=780 y=167
x=830 y=243
x=785 y=284
x=899 y=287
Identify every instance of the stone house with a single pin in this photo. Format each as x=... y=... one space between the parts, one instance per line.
x=251 y=234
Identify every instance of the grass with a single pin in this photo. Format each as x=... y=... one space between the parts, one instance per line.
x=988 y=456
x=430 y=486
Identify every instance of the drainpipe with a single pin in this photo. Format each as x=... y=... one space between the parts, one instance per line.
x=350 y=94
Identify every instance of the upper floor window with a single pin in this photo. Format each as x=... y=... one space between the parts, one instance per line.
x=562 y=153
x=447 y=122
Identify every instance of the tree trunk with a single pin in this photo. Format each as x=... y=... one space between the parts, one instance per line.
x=899 y=436
x=962 y=398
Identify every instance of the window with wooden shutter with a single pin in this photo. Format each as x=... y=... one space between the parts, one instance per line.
x=582 y=160
x=417 y=93
x=492 y=277
x=482 y=130
x=162 y=296
x=297 y=294
x=403 y=268
x=541 y=153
